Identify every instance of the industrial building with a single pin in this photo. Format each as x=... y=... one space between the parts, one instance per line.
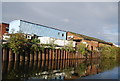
x=45 y=34
x=37 y=29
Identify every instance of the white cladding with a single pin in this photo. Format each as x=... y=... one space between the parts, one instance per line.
x=59 y=42
x=6 y=37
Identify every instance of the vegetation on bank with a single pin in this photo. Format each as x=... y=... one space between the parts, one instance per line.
x=20 y=44
x=81 y=48
x=109 y=52
x=69 y=47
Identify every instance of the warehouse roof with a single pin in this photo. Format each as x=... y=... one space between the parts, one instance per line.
x=43 y=25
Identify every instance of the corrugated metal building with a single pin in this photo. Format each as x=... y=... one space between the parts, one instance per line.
x=37 y=29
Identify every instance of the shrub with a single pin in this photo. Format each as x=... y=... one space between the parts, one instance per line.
x=69 y=47
x=18 y=43
x=82 y=48
x=109 y=52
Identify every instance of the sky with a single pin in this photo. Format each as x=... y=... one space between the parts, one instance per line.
x=95 y=19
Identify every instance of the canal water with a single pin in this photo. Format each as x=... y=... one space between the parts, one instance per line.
x=60 y=70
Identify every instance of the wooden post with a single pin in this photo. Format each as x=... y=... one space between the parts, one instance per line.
x=4 y=67
x=22 y=57
x=47 y=57
x=17 y=57
x=58 y=54
x=31 y=56
x=68 y=55
x=35 y=65
x=10 y=66
x=35 y=56
x=65 y=54
x=11 y=55
x=50 y=54
x=43 y=54
x=5 y=54
x=27 y=56
x=73 y=55
x=47 y=53
x=39 y=55
x=39 y=64
x=56 y=51
x=61 y=55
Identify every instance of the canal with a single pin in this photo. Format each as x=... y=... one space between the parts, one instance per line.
x=60 y=70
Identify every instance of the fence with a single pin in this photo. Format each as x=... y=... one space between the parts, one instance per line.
x=46 y=54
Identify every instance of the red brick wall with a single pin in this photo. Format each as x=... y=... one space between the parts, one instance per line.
x=74 y=36
x=92 y=45
x=3 y=29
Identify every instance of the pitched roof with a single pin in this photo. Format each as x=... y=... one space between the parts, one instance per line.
x=90 y=38
x=43 y=25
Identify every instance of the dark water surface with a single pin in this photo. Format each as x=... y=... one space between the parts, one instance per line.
x=60 y=69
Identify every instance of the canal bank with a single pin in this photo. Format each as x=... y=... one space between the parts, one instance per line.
x=45 y=54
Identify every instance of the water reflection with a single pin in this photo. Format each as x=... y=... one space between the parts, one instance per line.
x=55 y=69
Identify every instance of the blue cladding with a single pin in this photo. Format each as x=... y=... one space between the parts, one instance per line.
x=30 y=28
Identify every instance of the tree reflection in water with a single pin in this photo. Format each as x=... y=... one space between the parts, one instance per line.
x=52 y=69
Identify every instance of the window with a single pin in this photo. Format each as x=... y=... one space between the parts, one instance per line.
x=28 y=37
x=58 y=33
x=62 y=35
x=7 y=29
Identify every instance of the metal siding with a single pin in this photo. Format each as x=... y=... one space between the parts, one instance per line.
x=29 y=28
x=14 y=25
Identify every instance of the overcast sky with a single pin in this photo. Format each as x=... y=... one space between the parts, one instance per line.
x=95 y=19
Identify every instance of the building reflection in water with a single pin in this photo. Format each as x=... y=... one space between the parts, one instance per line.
x=55 y=69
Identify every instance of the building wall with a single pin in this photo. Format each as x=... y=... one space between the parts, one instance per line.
x=14 y=26
x=59 y=42
x=3 y=28
x=92 y=45
x=101 y=44
x=75 y=37
x=39 y=30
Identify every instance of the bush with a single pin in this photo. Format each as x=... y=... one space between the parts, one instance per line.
x=82 y=48
x=18 y=43
x=69 y=47
x=109 y=52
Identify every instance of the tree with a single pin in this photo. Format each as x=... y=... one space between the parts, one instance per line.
x=18 y=43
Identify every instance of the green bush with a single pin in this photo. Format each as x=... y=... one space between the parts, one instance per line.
x=18 y=43
x=69 y=47
x=109 y=52
x=82 y=48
